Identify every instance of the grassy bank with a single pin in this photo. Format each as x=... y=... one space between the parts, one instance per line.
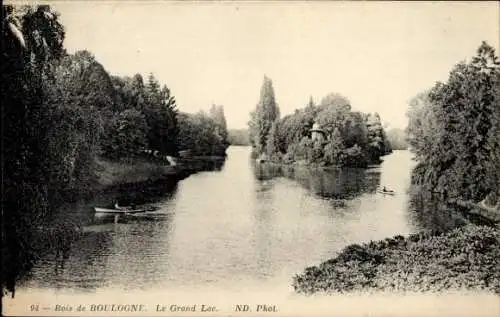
x=132 y=181
x=138 y=170
x=465 y=258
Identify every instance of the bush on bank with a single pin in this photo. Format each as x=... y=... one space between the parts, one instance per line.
x=465 y=258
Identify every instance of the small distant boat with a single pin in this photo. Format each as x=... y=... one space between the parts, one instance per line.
x=103 y=213
x=386 y=191
x=108 y=211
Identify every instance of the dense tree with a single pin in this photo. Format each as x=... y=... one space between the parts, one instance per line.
x=334 y=110
x=217 y=114
x=355 y=130
x=40 y=30
x=272 y=144
x=355 y=157
x=79 y=100
x=422 y=126
x=334 y=149
x=345 y=134
x=158 y=106
x=453 y=130
x=493 y=165
x=137 y=90
x=377 y=141
x=31 y=42
x=161 y=116
x=200 y=134
x=126 y=135
x=262 y=118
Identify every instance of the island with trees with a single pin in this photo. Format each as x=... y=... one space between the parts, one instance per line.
x=327 y=134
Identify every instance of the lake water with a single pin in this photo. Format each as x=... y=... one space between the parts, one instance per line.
x=241 y=227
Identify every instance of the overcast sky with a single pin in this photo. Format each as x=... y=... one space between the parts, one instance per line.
x=378 y=55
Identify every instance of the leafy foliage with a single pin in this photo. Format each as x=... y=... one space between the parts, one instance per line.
x=348 y=138
x=453 y=130
x=202 y=134
x=127 y=134
x=158 y=107
x=262 y=118
x=462 y=259
x=33 y=43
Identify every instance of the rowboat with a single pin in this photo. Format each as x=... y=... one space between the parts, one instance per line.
x=104 y=213
x=386 y=192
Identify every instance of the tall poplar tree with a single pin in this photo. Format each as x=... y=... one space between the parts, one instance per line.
x=262 y=118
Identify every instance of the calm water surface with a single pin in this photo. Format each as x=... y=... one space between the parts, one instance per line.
x=240 y=227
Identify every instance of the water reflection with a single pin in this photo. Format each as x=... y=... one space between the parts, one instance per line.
x=87 y=254
x=430 y=213
x=77 y=252
x=102 y=255
x=334 y=183
x=138 y=194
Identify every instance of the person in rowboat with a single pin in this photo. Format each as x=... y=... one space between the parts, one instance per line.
x=131 y=207
x=118 y=207
x=385 y=190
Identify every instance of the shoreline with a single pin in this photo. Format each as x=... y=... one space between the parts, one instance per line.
x=144 y=170
x=464 y=258
x=323 y=166
x=139 y=181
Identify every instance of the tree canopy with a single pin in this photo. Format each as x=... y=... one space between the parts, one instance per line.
x=348 y=138
x=262 y=118
x=454 y=130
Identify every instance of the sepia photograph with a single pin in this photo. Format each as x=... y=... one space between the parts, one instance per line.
x=250 y=158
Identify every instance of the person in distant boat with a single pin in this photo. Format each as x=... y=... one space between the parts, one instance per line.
x=384 y=189
x=117 y=207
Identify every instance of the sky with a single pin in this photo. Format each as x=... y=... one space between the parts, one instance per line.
x=378 y=55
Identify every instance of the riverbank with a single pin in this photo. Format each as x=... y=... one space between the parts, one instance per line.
x=491 y=213
x=139 y=170
x=140 y=181
x=111 y=173
x=465 y=258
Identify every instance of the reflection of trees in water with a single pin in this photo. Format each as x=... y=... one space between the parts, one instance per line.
x=214 y=165
x=137 y=193
x=263 y=216
x=150 y=191
x=341 y=183
x=64 y=249
x=62 y=237
x=75 y=264
x=91 y=261
x=265 y=172
x=430 y=212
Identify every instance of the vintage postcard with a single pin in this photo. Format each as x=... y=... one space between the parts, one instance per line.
x=251 y=158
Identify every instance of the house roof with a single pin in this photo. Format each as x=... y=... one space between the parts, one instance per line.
x=316 y=128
